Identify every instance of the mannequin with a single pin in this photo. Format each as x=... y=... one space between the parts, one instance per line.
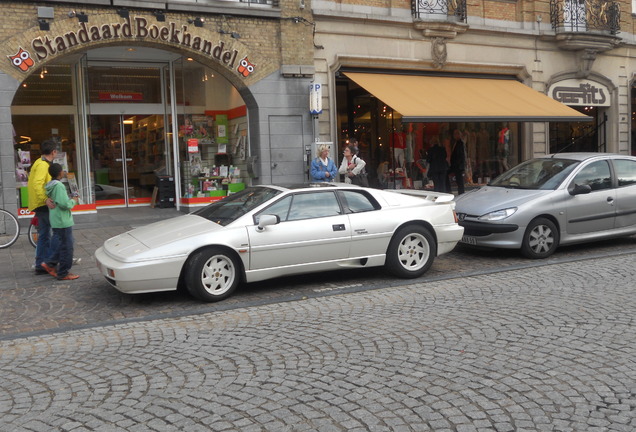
x=503 y=148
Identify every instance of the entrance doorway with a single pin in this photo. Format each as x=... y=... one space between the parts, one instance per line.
x=128 y=152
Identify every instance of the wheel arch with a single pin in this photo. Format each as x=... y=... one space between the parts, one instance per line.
x=415 y=222
x=224 y=248
x=551 y=218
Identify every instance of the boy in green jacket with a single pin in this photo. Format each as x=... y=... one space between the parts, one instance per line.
x=62 y=223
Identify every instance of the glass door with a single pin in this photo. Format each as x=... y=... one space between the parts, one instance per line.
x=128 y=152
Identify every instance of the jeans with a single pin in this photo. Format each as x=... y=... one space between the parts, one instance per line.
x=46 y=243
x=63 y=254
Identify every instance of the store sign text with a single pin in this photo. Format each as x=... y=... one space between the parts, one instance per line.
x=137 y=28
x=580 y=93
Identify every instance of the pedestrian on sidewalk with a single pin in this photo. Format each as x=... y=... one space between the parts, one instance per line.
x=62 y=223
x=38 y=178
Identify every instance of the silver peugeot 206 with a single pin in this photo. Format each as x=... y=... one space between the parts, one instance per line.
x=554 y=200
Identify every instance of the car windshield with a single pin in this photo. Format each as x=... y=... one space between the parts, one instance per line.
x=232 y=207
x=546 y=174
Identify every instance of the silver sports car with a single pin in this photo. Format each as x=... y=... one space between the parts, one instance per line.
x=554 y=200
x=264 y=232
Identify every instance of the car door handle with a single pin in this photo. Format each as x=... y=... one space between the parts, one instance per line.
x=338 y=227
x=610 y=200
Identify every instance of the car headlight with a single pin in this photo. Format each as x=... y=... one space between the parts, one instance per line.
x=498 y=215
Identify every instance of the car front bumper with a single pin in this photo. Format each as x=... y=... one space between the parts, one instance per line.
x=140 y=277
x=484 y=234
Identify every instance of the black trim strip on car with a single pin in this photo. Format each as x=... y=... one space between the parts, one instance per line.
x=483 y=228
x=593 y=218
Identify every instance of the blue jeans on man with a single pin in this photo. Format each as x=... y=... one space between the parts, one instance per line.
x=45 y=241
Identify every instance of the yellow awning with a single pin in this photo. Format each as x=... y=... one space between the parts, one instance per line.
x=433 y=98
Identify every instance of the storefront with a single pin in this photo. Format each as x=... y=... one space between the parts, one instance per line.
x=152 y=112
x=396 y=116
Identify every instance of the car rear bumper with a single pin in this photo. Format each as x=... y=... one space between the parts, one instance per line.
x=447 y=237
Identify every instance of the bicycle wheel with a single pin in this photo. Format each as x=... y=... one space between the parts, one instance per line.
x=9 y=229
x=33 y=231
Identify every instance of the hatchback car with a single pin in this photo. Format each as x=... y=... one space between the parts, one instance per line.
x=264 y=232
x=555 y=200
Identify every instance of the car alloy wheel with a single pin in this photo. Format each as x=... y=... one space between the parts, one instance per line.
x=212 y=275
x=411 y=252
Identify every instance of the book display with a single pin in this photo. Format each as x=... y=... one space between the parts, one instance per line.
x=215 y=163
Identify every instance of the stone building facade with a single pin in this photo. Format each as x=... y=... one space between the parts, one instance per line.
x=216 y=92
x=212 y=95
x=576 y=52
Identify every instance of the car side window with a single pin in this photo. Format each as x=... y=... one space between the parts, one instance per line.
x=279 y=208
x=357 y=202
x=625 y=172
x=596 y=175
x=313 y=205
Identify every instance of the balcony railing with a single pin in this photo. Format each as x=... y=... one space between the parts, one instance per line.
x=439 y=9
x=585 y=16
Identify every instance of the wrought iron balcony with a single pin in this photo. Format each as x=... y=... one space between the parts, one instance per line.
x=575 y=16
x=444 y=10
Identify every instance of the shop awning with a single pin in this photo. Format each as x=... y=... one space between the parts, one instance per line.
x=432 y=98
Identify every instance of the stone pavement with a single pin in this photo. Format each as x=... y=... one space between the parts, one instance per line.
x=545 y=348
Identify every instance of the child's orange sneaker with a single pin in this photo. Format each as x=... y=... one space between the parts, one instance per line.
x=50 y=270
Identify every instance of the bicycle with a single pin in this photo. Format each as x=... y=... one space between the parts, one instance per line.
x=33 y=231
x=9 y=229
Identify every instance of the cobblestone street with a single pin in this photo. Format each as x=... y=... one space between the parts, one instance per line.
x=547 y=347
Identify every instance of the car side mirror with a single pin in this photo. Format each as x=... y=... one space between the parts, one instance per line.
x=580 y=189
x=267 y=219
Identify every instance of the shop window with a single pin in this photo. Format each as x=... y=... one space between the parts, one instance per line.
x=50 y=85
x=129 y=84
x=395 y=151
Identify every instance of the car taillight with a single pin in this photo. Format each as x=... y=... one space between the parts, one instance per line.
x=455 y=216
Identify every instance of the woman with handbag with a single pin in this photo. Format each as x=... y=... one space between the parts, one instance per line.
x=323 y=169
x=353 y=167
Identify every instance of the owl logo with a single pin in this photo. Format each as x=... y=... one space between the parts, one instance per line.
x=245 y=67
x=22 y=60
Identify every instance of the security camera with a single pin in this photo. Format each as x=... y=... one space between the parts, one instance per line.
x=71 y=14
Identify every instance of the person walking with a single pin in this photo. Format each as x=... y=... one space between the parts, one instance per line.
x=437 y=165
x=38 y=178
x=352 y=167
x=323 y=168
x=458 y=161
x=62 y=223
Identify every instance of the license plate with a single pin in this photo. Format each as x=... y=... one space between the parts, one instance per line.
x=469 y=240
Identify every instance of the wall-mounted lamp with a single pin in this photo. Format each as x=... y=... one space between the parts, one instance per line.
x=124 y=13
x=81 y=16
x=233 y=34
x=44 y=25
x=159 y=16
x=198 y=21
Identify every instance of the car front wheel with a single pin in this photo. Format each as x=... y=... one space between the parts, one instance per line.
x=411 y=252
x=540 y=239
x=212 y=275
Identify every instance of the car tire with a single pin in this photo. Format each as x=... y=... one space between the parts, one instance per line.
x=540 y=239
x=212 y=275
x=411 y=252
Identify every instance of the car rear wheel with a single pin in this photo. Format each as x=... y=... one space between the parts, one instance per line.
x=212 y=275
x=411 y=252
x=540 y=239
